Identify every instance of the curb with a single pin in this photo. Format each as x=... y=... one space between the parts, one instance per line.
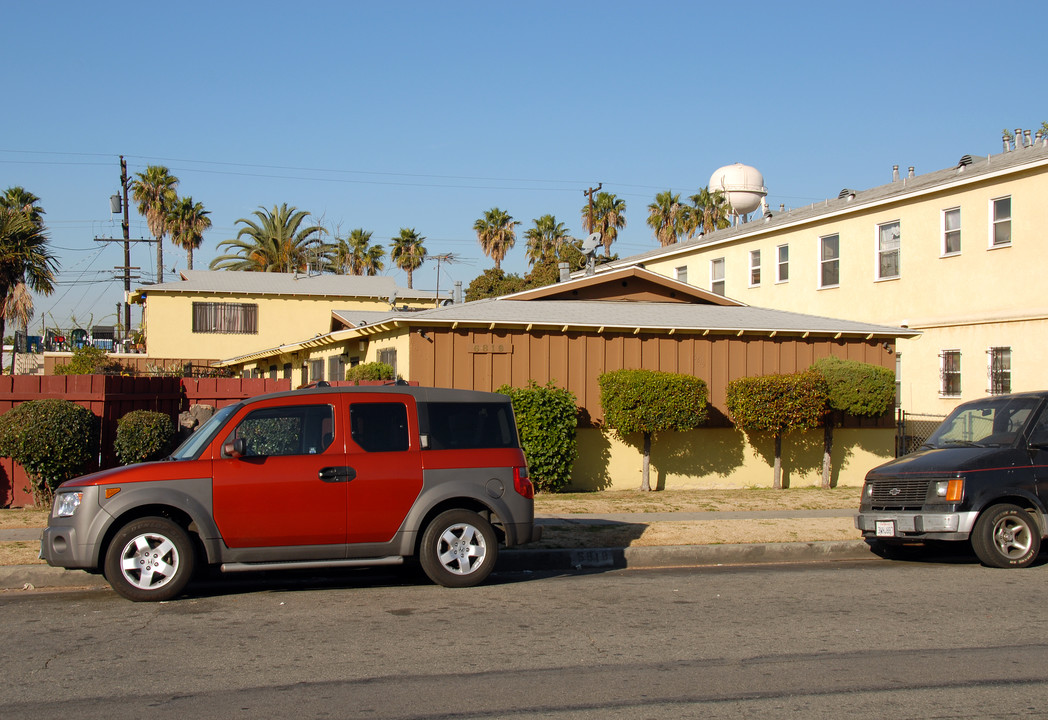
x=32 y=577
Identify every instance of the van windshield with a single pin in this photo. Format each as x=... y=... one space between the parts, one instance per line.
x=994 y=422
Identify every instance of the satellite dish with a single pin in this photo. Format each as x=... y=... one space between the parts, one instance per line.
x=392 y=299
x=591 y=243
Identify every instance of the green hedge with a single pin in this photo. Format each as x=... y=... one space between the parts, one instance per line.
x=53 y=440
x=143 y=435
x=371 y=371
x=547 y=422
x=857 y=388
x=650 y=401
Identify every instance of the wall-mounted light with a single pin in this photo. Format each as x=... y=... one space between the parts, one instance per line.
x=422 y=334
x=888 y=347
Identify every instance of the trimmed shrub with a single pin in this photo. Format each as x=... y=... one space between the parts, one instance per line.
x=547 y=421
x=143 y=435
x=777 y=404
x=650 y=402
x=53 y=440
x=371 y=371
x=89 y=360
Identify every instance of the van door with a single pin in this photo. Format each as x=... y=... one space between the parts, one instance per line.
x=289 y=488
x=386 y=460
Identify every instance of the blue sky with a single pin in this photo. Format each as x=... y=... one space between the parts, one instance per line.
x=426 y=114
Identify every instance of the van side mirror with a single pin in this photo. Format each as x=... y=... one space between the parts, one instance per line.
x=236 y=448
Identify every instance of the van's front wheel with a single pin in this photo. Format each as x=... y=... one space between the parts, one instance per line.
x=149 y=559
x=1005 y=536
x=458 y=549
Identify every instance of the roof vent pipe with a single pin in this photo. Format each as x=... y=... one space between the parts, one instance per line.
x=1018 y=138
x=457 y=296
x=1006 y=141
x=564 y=274
x=1027 y=142
x=910 y=173
x=895 y=173
x=782 y=207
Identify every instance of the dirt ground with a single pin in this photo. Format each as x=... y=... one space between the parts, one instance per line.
x=637 y=533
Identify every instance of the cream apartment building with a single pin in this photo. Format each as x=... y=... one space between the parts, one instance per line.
x=958 y=254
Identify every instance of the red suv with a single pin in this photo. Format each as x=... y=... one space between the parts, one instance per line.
x=318 y=478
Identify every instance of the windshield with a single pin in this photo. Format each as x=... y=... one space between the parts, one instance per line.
x=191 y=448
x=994 y=422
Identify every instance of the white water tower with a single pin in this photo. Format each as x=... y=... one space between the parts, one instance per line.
x=741 y=185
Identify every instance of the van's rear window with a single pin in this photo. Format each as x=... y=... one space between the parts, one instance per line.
x=465 y=426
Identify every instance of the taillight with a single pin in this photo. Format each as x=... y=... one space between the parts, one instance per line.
x=522 y=484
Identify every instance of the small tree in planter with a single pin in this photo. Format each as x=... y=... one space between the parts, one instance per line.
x=854 y=388
x=53 y=440
x=547 y=420
x=143 y=435
x=650 y=402
x=778 y=404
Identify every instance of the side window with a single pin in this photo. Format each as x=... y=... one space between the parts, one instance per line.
x=1039 y=432
x=951 y=231
x=829 y=261
x=889 y=250
x=379 y=427
x=295 y=430
x=1001 y=230
x=755 y=268
x=783 y=267
x=468 y=425
x=717 y=276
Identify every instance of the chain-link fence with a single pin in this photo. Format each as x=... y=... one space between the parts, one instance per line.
x=913 y=429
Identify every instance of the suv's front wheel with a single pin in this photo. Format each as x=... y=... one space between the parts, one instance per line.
x=1005 y=536
x=149 y=559
x=458 y=549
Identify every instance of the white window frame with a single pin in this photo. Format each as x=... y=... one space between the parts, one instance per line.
x=824 y=262
x=782 y=263
x=882 y=251
x=755 y=268
x=995 y=221
x=947 y=231
x=1003 y=375
x=717 y=278
x=681 y=273
x=945 y=372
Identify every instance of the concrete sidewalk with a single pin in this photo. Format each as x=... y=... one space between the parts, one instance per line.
x=29 y=577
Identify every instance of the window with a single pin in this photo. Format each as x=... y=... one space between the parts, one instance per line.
x=951 y=231
x=231 y=318
x=294 y=430
x=1000 y=370
x=782 y=269
x=889 y=242
x=755 y=268
x=272 y=372
x=467 y=426
x=285 y=371
x=1002 y=222
x=717 y=276
x=379 y=427
x=682 y=273
x=336 y=367
x=829 y=261
x=388 y=356
x=950 y=373
x=316 y=370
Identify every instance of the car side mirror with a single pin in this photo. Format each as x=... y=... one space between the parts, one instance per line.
x=235 y=448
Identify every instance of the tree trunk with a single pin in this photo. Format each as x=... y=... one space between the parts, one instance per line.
x=827 y=447
x=160 y=259
x=645 y=464
x=777 y=477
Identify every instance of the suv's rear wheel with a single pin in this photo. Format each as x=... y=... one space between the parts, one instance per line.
x=458 y=549
x=149 y=559
x=1005 y=536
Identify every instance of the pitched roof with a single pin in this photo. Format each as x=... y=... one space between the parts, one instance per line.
x=631 y=284
x=266 y=283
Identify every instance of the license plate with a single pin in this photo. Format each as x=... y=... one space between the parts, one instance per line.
x=885 y=528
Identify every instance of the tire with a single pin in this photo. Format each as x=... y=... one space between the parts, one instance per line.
x=1005 y=536
x=149 y=560
x=459 y=549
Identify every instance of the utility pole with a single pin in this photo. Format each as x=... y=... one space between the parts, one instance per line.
x=590 y=192
x=126 y=225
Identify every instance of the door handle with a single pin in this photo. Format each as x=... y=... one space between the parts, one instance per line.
x=337 y=474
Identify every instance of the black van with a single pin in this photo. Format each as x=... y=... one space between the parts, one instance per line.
x=982 y=476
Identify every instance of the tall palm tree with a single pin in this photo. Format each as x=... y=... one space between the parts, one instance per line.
x=18 y=308
x=609 y=216
x=709 y=211
x=187 y=222
x=364 y=258
x=545 y=239
x=275 y=242
x=154 y=191
x=25 y=259
x=406 y=251
x=667 y=218
x=496 y=235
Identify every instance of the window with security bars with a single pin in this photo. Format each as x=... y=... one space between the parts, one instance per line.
x=336 y=367
x=950 y=373
x=389 y=357
x=227 y=318
x=1000 y=370
x=889 y=248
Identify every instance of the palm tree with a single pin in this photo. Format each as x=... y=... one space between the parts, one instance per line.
x=187 y=222
x=609 y=216
x=154 y=191
x=25 y=261
x=667 y=217
x=276 y=242
x=364 y=258
x=709 y=211
x=545 y=239
x=496 y=235
x=406 y=251
x=18 y=308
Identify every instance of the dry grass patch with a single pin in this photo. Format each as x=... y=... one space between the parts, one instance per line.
x=20 y=553
x=749 y=499
x=17 y=518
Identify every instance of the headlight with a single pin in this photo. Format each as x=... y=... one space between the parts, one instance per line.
x=66 y=503
x=950 y=490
